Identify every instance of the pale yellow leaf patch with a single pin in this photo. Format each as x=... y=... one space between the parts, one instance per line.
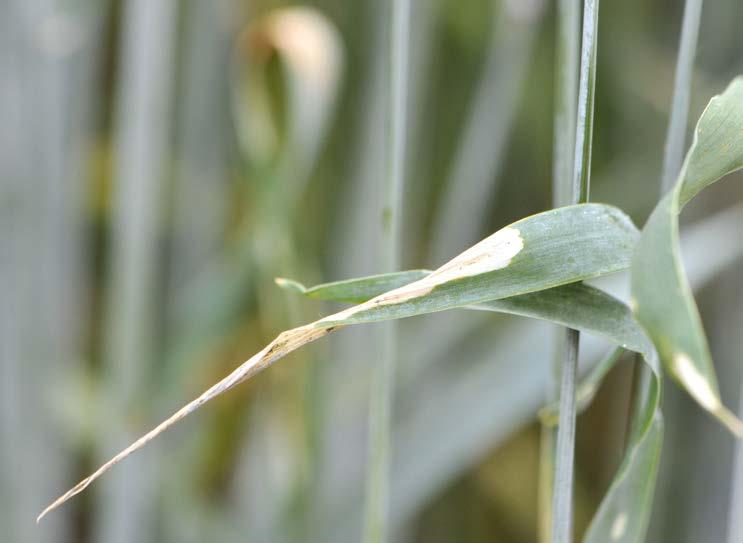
x=493 y=253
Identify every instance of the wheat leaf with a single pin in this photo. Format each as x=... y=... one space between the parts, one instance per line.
x=539 y=252
x=662 y=298
x=624 y=510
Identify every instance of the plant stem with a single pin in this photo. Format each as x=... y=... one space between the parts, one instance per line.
x=567 y=48
x=383 y=383
x=566 y=89
x=586 y=91
x=676 y=134
x=562 y=497
x=563 y=489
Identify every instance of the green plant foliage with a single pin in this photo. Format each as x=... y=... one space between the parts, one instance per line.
x=625 y=511
x=539 y=252
x=355 y=290
x=542 y=251
x=575 y=305
x=587 y=389
x=664 y=306
x=623 y=514
x=533 y=268
x=662 y=298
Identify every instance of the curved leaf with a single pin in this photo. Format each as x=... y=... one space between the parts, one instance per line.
x=542 y=251
x=662 y=298
x=354 y=290
x=575 y=305
x=624 y=511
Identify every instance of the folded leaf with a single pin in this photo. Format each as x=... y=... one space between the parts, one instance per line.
x=355 y=290
x=623 y=513
x=575 y=305
x=662 y=298
x=539 y=252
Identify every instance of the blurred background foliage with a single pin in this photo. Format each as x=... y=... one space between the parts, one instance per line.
x=161 y=161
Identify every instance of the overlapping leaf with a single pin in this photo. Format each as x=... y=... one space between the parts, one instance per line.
x=662 y=298
x=664 y=306
x=575 y=305
x=624 y=512
x=539 y=252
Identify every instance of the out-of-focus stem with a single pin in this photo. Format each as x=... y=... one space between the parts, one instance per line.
x=127 y=505
x=383 y=380
x=678 y=121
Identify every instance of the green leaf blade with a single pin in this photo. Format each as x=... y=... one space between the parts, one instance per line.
x=549 y=249
x=354 y=290
x=662 y=298
x=718 y=143
x=625 y=509
x=557 y=247
x=624 y=514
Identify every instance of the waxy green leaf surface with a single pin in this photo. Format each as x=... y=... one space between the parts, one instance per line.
x=539 y=252
x=662 y=298
x=624 y=512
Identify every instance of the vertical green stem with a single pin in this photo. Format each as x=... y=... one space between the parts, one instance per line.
x=563 y=489
x=678 y=121
x=567 y=48
x=586 y=91
x=562 y=497
x=566 y=90
x=382 y=391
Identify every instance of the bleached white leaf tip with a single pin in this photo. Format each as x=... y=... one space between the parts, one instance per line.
x=619 y=526
x=701 y=390
x=695 y=382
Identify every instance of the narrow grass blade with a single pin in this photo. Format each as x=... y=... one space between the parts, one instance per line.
x=663 y=301
x=549 y=249
x=575 y=305
x=623 y=516
x=624 y=512
x=612 y=520
x=354 y=290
